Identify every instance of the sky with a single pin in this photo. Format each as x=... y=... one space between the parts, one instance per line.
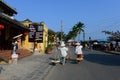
x=96 y=15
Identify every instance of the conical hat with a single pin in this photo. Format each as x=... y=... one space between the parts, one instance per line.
x=62 y=44
x=77 y=43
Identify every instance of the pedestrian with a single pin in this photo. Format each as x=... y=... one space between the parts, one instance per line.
x=57 y=52
x=86 y=46
x=63 y=52
x=15 y=46
x=78 y=51
x=14 y=55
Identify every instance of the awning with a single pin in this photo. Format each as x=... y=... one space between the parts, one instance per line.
x=7 y=20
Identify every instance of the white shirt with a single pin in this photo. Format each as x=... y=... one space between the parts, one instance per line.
x=78 y=49
x=63 y=51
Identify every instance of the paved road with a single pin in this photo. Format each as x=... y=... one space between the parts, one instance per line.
x=96 y=66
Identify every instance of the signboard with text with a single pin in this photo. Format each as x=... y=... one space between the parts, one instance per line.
x=36 y=33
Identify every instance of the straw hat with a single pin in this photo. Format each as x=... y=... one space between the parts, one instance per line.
x=78 y=43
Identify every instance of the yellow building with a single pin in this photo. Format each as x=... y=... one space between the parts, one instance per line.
x=40 y=46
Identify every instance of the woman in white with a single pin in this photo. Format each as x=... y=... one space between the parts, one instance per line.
x=63 y=51
x=14 y=55
x=78 y=51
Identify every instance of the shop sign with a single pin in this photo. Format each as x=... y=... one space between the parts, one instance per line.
x=36 y=33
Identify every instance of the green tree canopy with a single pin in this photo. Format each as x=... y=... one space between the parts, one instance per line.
x=51 y=35
x=76 y=30
x=113 y=36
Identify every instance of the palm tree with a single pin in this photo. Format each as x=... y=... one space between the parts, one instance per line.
x=76 y=30
x=80 y=29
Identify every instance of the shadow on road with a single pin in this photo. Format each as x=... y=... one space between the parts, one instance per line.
x=104 y=59
x=71 y=61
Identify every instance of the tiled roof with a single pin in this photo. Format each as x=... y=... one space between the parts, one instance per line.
x=3 y=3
x=12 y=21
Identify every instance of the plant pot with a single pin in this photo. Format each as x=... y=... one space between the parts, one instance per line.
x=49 y=51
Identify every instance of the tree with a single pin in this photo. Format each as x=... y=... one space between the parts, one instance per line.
x=51 y=35
x=114 y=36
x=76 y=30
x=80 y=29
x=58 y=35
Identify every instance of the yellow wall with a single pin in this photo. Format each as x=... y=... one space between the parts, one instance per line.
x=30 y=45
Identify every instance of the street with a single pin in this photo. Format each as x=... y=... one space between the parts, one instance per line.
x=95 y=66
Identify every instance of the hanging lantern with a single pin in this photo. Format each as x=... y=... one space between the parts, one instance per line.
x=1 y=26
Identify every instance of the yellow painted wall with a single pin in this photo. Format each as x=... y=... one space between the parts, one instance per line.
x=30 y=45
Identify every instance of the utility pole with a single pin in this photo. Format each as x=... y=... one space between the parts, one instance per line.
x=83 y=36
x=61 y=30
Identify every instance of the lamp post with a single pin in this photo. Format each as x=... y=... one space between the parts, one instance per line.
x=90 y=44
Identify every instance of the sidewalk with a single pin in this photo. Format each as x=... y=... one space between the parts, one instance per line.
x=27 y=68
x=5 y=55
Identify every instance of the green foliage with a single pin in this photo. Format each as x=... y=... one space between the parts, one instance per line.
x=35 y=24
x=113 y=36
x=76 y=29
x=51 y=35
x=48 y=48
x=59 y=34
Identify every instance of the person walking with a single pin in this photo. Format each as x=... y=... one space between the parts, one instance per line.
x=14 y=55
x=63 y=52
x=78 y=51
